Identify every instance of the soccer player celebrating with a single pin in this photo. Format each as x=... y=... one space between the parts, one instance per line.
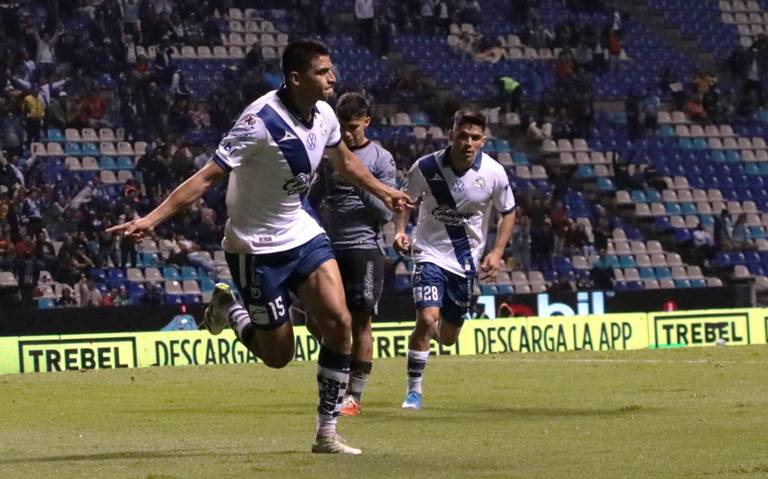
x=353 y=219
x=457 y=187
x=272 y=243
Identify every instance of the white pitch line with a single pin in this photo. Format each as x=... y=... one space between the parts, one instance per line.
x=627 y=361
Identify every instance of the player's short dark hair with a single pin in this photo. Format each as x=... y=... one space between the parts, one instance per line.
x=352 y=105
x=467 y=116
x=298 y=55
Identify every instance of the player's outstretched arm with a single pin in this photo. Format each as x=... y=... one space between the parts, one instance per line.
x=402 y=243
x=354 y=171
x=184 y=195
x=492 y=261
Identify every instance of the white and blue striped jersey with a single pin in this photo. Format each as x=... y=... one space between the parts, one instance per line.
x=271 y=155
x=453 y=217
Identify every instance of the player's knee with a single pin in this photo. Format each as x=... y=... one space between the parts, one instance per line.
x=426 y=325
x=277 y=359
x=337 y=328
x=448 y=339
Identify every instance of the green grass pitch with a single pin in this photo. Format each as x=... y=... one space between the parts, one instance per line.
x=686 y=413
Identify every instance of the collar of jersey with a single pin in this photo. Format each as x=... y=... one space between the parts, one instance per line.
x=360 y=147
x=475 y=165
x=282 y=93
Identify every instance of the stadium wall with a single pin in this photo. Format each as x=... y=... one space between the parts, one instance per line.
x=34 y=321
x=609 y=332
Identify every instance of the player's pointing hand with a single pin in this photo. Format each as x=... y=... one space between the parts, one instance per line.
x=397 y=200
x=135 y=229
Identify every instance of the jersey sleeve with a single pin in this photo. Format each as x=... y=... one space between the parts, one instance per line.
x=415 y=184
x=334 y=131
x=503 y=198
x=385 y=170
x=245 y=135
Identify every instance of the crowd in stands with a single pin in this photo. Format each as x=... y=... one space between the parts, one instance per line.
x=114 y=66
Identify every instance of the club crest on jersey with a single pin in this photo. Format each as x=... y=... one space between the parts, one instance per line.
x=480 y=183
x=297 y=185
x=245 y=126
x=446 y=214
x=311 y=141
x=457 y=186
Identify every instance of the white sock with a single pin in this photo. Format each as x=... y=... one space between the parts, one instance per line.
x=239 y=320
x=332 y=382
x=417 y=361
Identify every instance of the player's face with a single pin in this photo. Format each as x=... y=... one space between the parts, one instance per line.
x=466 y=141
x=353 y=131
x=318 y=80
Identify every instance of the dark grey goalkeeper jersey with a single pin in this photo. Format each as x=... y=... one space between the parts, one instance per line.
x=353 y=217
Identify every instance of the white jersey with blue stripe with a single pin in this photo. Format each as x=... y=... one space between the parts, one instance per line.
x=452 y=225
x=271 y=155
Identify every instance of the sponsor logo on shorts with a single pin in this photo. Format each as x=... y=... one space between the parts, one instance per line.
x=368 y=281
x=259 y=314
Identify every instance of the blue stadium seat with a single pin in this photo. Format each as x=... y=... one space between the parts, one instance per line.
x=73 y=149
x=125 y=163
x=170 y=273
x=98 y=275
x=55 y=135
x=149 y=259
x=107 y=163
x=90 y=149
x=116 y=277
x=489 y=146
x=647 y=273
x=663 y=272
x=652 y=196
x=502 y=146
x=192 y=299
x=188 y=272
x=46 y=303
x=698 y=283
x=207 y=285
x=174 y=299
x=627 y=261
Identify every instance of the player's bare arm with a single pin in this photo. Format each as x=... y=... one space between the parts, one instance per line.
x=402 y=243
x=355 y=172
x=492 y=261
x=184 y=195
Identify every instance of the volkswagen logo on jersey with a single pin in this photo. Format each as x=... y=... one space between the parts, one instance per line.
x=311 y=141
x=297 y=185
x=449 y=216
x=457 y=186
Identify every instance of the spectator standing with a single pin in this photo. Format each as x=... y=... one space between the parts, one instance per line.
x=34 y=114
x=364 y=14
